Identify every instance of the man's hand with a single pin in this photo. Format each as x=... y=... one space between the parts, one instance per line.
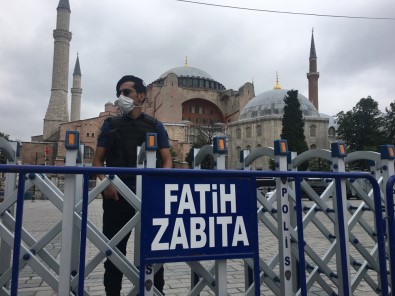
x=111 y=193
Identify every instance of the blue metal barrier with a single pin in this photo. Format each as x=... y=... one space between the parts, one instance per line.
x=22 y=170
x=390 y=192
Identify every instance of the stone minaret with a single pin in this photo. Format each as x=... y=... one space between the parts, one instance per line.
x=313 y=75
x=57 y=111
x=76 y=92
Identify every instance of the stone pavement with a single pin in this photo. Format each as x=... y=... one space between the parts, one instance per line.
x=41 y=215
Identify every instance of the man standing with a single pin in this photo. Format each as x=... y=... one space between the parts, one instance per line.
x=117 y=147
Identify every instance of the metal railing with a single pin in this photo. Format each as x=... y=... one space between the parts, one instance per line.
x=26 y=252
x=294 y=269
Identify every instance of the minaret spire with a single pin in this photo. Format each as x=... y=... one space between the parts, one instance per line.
x=186 y=62
x=313 y=54
x=313 y=74
x=76 y=92
x=57 y=111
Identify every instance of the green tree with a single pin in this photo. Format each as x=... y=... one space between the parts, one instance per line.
x=293 y=125
x=390 y=123
x=318 y=164
x=362 y=128
x=204 y=134
x=207 y=163
x=2 y=156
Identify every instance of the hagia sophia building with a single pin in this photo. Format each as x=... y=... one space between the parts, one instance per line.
x=185 y=99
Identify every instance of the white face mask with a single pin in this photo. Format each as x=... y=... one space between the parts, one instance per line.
x=125 y=104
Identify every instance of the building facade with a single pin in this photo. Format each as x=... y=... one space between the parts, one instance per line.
x=188 y=101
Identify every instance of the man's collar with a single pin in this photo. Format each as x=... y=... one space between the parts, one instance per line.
x=141 y=115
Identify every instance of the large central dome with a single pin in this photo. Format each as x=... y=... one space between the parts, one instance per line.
x=191 y=77
x=271 y=103
x=187 y=72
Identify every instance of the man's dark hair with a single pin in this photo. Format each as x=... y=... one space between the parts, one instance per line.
x=139 y=84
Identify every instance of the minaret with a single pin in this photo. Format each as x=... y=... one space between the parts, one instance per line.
x=76 y=92
x=57 y=111
x=313 y=75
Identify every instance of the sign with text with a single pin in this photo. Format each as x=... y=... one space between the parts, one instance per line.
x=194 y=218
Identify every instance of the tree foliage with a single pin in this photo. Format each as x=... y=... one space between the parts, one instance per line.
x=389 y=120
x=204 y=136
x=362 y=128
x=207 y=163
x=2 y=157
x=5 y=136
x=293 y=125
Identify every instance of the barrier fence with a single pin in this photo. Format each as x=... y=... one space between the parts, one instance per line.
x=198 y=215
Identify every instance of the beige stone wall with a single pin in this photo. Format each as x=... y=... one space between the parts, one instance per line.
x=88 y=131
x=270 y=131
x=33 y=153
x=165 y=101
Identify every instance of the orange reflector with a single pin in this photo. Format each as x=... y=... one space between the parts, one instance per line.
x=151 y=141
x=342 y=149
x=391 y=151
x=283 y=146
x=71 y=139
x=221 y=144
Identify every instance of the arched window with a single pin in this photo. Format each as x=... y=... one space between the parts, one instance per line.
x=313 y=146
x=248 y=132
x=313 y=131
x=238 y=133
x=88 y=152
x=331 y=131
x=258 y=130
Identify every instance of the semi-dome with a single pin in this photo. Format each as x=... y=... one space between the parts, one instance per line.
x=187 y=72
x=271 y=103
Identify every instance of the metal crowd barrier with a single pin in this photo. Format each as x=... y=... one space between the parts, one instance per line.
x=287 y=220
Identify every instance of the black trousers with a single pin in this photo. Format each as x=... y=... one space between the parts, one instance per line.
x=115 y=215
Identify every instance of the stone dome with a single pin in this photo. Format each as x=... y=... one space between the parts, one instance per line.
x=271 y=103
x=192 y=78
x=187 y=72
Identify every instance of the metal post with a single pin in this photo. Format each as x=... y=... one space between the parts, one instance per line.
x=219 y=151
x=10 y=186
x=78 y=196
x=150 y=157
x=195 y=166
x=387 y=164
x=243 y=155
x=71 y=144
x=284 y=219
x=341 y=225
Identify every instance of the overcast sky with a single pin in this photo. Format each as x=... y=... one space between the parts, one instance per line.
x=356 y=57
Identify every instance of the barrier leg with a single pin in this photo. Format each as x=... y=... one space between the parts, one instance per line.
x=67 y=227
x=221 y=286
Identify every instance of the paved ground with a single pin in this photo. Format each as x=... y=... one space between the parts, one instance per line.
x=41 y=215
